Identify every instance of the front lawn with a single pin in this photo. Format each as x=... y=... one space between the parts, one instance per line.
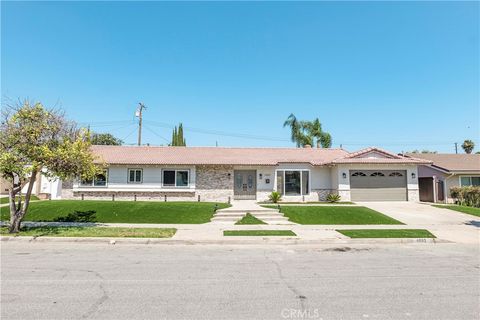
x=387 y=233
x=4 y=200
x=249 y=219
x=94 y=232
x=123 y=211
x=464 y=209
x=335 y=215
x=258 y=233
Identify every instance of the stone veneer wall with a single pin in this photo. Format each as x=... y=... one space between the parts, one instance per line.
x=141 y=195
x=214 y=183
x=315 y=195
x=413 y=195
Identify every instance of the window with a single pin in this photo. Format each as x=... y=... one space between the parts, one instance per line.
x=175 y=178
x=377 y=174
x=135 y=175
x=100 y=180
x=293 y=182
x=358 y=174
x=469 y=181
x=395 y=174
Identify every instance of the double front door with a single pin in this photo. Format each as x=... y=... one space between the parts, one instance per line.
x=245 y=185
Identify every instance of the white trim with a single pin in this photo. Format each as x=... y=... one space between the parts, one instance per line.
x=135 y=175
x=92 y=185
x=175 y=185
x=301 y=182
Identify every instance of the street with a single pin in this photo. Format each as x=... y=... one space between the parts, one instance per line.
x=101 y=281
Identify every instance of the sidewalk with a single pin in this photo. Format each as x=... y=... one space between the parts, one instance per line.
x=213 y=232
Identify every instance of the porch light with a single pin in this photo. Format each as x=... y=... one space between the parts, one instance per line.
x=413 y=175
x=344 y=175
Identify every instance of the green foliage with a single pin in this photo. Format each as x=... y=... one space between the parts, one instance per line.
x=177 y=137
x=387 y=233
x=333 y=197
x=249 y=219
x=105 y=139
x=275 y=197
x=35 y=140
x=466 y=196
x=468 y=146
x=78 y=216
x=308 y=132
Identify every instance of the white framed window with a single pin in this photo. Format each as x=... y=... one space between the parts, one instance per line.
x=135 y=175
x=175 y=178
x=100 y=180
x=293 y=182
x=470 y=181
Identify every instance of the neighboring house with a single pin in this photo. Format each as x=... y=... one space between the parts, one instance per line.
x=445 y=172
x=44 y=188
x=223 y=174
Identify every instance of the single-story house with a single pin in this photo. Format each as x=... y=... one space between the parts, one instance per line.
x=224 y=174
x=446 y=171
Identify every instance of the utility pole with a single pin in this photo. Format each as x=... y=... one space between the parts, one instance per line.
x=456 y=147
x=141 y=106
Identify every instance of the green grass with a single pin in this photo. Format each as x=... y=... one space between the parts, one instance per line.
x=387 y=233
x=307 y=202
x=335 y=215
x=4 y=200
x=258 y=233
x=95 y=232
x=249 y=219
x=123 y=211
x=463 y=209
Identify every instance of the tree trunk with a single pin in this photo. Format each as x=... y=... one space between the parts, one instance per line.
x=17 y=214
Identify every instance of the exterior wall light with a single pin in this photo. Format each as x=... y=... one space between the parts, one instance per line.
x=413 y=175
x=344 y=175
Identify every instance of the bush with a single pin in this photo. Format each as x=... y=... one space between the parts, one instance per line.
x=78 y=216
x=466 y=196
x=332 y=197
x=275 y=197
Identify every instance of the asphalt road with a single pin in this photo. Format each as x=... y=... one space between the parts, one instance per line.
x=99 y=281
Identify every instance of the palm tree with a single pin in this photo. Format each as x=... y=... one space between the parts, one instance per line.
x=295 y=128
x=468 y=146
x=308 y=132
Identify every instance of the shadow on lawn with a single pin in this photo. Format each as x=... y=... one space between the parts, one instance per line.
x=78 y=216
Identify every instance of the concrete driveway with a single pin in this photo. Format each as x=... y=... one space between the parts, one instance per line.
x=420 y=214
x=445 y=224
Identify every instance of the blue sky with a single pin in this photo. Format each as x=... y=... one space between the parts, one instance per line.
x=397 y=75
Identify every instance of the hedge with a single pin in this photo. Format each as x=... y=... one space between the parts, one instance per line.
x=466 y=196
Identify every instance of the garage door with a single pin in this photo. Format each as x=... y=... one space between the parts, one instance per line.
x=378 y=185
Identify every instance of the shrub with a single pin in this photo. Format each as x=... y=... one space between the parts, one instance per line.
x=78 y=216
x=332 y=197
x=275 y=197
x=466 y=196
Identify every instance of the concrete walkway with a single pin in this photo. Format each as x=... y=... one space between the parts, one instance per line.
x=240 y=208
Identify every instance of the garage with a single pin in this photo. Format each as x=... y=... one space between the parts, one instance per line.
x=378 y=185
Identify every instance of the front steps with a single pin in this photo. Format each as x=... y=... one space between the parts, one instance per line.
x=231 y=215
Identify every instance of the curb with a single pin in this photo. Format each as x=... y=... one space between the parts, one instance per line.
x=249 y=241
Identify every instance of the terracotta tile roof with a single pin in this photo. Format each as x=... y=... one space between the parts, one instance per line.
x=214 y=155
x=451 y=162
x=386 y=158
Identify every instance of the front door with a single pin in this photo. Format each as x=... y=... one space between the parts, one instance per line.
x=245 y=185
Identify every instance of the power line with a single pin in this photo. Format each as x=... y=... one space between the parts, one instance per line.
x=158 y=135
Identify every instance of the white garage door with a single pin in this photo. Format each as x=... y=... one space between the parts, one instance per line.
x=378 y=185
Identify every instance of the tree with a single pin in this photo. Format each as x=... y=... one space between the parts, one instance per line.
x=36 y=141
x=177 y=137
x=105 y=139
x=468 y=146
x=308 y=132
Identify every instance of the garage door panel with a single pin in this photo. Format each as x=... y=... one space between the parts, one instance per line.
x=378 y=185
x=379 y=194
